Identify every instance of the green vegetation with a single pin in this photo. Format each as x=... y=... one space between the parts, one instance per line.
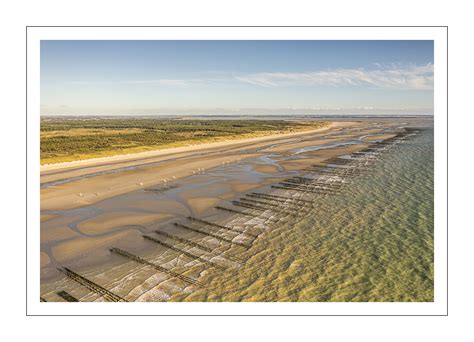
x=68 y=139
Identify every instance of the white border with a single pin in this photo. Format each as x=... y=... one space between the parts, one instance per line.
x=35 y=34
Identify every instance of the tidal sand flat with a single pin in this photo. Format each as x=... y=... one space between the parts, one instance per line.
x=339 y=213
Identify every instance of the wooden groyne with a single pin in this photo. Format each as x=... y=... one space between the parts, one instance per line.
x=304 y=189
x=66 y=296
x=215 y=236
x=161 y=269
x=281 y=197
x=346 y=172
x=258 y=202
x=315 y=186
x=324 y=171
x=294 y=189
x=303 y=179
x=282 y=207
x=233 y=211
x=211 y=224
x=101 y=291
x=260 y=208
x=338 y=161
x=181 y=251
x=185 y=241
x=284 y=202
x=193 y=244
x=248 y=206
x=298 y=180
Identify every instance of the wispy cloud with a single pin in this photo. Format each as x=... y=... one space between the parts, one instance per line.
x=166 y=82
x=418 y=77
x=158 y=82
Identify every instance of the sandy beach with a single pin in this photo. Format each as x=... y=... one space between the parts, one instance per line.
x=89 y=181
x=88 y=207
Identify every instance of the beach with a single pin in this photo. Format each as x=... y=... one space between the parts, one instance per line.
x=111 y=176
x=89 y=207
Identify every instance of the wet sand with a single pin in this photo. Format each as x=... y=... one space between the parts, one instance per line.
x=84 y=217
x=168 y=163
x=104 y=222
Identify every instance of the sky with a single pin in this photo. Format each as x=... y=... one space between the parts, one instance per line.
x=236 y=77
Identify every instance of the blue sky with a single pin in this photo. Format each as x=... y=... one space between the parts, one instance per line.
x=236 y=77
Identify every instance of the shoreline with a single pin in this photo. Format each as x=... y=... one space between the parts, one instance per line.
x=87 y=182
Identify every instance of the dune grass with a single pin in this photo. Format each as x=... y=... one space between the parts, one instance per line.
x=70 y=139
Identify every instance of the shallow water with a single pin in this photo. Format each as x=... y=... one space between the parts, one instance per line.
x=327 y=146
x=373 y=242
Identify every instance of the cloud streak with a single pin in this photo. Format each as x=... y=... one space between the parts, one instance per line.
x=165 y=82
x=397 y=77
x=414 y=77
x=156 y=82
